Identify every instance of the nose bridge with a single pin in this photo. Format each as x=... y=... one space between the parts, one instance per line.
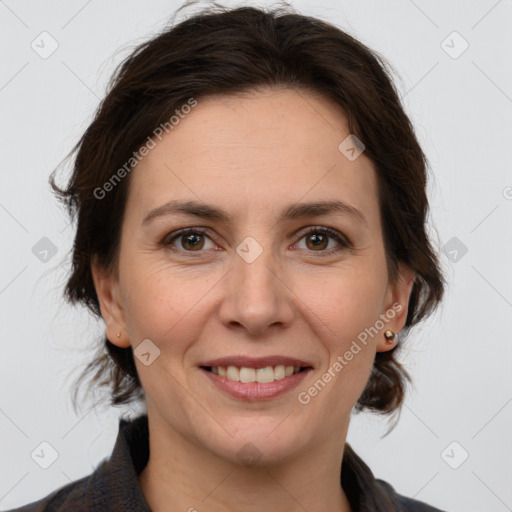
x=253 y=279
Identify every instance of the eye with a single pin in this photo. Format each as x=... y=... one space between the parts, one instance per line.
x=317 y=239
x=189 y=240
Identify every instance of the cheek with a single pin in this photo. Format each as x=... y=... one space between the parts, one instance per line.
x=163 y=304
x=344 y=308
x=167 y=309
x=345 y=301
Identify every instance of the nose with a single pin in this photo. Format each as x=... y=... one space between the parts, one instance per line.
x=256 y=295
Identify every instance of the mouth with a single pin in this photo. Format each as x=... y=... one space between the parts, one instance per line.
x=251 y=384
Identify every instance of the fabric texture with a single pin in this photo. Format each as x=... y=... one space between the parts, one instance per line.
x=113 y=486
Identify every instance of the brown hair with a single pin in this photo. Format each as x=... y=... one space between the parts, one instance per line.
x=229 y=51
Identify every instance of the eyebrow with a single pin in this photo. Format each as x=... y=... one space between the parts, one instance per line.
x=292 y=212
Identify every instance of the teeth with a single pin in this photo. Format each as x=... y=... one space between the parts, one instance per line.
x=247 y=375
x=233 y=373
x=263 y=375
x=279 y=372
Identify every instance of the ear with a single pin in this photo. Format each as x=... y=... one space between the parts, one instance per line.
x=111 y=306
x=396 y=304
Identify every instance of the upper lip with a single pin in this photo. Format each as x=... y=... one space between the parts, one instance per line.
x=256 y=362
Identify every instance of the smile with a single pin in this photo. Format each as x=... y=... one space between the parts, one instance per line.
x=251 y=389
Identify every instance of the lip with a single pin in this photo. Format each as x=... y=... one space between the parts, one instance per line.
x=256 y=362
x=255 y=391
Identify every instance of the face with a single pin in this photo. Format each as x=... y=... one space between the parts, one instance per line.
x=259 y=279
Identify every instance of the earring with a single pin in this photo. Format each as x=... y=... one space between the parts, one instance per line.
x=119 y=334
x=390 y=337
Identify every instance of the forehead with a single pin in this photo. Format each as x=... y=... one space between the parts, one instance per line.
x=257 y=150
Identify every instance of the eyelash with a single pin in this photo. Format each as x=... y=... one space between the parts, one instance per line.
x=342 y=240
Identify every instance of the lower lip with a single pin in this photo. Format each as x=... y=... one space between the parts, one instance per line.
x=254 y=391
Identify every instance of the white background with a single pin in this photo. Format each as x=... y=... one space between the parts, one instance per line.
x=460 y=359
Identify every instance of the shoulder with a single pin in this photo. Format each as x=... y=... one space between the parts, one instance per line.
x=68 y=497
x=113 y=485
x=405 y=504
x=369 y=494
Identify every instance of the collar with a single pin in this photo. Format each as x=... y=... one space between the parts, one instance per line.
x=119 y=473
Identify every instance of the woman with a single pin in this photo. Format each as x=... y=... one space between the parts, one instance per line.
x=251 y=206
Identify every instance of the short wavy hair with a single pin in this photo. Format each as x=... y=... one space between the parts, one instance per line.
x=222 y=51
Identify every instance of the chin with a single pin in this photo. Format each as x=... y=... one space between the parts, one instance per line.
x=263 y=444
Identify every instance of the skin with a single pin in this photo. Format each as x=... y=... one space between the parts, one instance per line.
x=250 y=155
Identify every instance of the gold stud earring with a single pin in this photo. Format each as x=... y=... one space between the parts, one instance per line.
x=390 y=336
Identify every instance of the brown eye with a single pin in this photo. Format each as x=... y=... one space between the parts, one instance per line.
x=318 y=240
x=192 y=241
x=189 y=240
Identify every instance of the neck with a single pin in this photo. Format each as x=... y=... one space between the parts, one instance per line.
x=183 y=476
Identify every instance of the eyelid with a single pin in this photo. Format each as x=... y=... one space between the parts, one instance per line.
x=333 y=233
